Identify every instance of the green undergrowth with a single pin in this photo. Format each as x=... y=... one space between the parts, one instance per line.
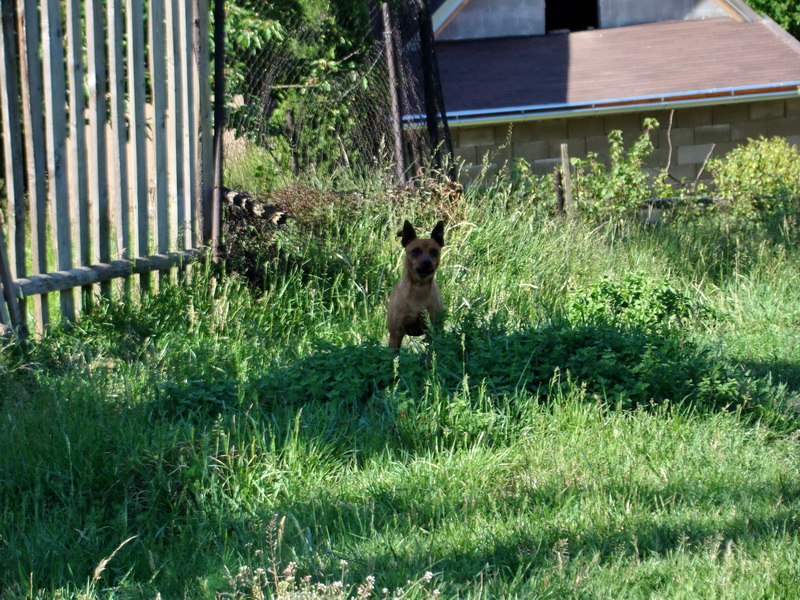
x=606 y=412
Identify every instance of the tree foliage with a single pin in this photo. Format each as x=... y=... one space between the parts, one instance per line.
x=784 y=12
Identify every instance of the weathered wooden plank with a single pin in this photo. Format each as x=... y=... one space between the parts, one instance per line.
x=55 y=128
x=82 y=276
x=204 y=173
x=140 y=214
x=120 y=206
x=158 y=76
x=12 y=143
x=191 y=211
x=98 y=149
x=77 y=160
x=29 y=38
x=174 y=125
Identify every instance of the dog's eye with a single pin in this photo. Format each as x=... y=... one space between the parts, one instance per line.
x=434 y=253
x=416 y=252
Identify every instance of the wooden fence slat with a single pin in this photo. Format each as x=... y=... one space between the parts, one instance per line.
x=174 y=131
x=12 y=143
x=76 y=193
x=29 y=37
x=158 y=75
x=98 y=151
x=116 y=76
x=138 y=132
x=77 y=160
x=55 y=109
x=190 y=148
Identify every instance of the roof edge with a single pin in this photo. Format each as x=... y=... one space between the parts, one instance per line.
x=689 y=99
x=446 y=13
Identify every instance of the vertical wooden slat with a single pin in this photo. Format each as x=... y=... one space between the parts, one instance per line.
x=205 y=157
x=12 y=143
x=158 y=74
x=14 y=184
x=138 y=152
x=29 y=37
x=55 y=128
x=97 y=146
x=174 y=129
x=188 y=129
x=116 y=75
x=78 y=180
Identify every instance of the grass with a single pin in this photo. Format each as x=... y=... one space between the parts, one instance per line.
x=255 y=443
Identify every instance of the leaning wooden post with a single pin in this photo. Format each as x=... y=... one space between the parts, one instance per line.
x=397 y=117
x=17 y=323
x=219 y=124
x=567 y=180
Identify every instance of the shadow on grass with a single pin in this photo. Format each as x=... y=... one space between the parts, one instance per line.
x=624 y=368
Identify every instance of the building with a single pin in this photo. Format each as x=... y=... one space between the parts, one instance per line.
x=555 y=71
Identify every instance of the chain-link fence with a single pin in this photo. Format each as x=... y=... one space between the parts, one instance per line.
x=309 y=89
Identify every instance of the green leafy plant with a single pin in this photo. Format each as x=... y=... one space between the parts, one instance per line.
x=632 y=300
x=759 y=180
x=618 y=190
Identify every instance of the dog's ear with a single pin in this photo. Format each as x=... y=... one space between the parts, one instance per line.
x=437 y=235
x=408 y=234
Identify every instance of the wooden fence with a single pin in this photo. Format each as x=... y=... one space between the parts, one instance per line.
x=107 y=149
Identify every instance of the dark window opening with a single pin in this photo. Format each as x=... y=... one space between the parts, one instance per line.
x=574 y=15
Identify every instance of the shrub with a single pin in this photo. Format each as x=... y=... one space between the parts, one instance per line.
x=759 y=180
x=632 y=301
x=617 y=191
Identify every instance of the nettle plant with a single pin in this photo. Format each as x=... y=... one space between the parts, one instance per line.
x=618 y=190
x=759 y=180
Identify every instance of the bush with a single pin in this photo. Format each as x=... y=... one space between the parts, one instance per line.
x=760 y=180
x=619 y=190
x=632 y=301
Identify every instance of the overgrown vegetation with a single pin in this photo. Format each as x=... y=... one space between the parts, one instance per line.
x=611 y=410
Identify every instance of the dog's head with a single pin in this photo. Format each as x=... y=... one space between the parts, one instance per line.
x=422 y=254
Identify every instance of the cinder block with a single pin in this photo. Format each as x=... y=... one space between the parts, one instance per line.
x=793 y=107
x=575 y=147
x=532 y=151
x=585 y=127
x=783 y=127
x=597 y=144
x=498 y=155
x=746 y=130
x=730 y=113
x=706 y=134
x=523 y=132
x=679 y=136
x=478 y=136
x=688 y=172
x=549 y=129
x=629 y=124
x=771 y=109
x=544 y=167
x=469 y=154
x=693 y=155
x=693 y=117
x=794 y=140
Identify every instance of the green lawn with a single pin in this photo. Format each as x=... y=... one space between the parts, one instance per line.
x=609 y=412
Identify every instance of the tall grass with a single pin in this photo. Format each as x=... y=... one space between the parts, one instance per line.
x=520 y=453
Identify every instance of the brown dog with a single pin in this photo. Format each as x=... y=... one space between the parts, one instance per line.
x=416 y=300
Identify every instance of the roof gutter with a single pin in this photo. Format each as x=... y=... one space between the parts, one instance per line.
x=689 y=99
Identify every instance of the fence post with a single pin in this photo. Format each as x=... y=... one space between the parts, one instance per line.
x=567 y=180
x=219 y=123
x=397 y=117
x=434 y=99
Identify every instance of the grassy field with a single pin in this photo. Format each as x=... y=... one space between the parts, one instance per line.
x=609 y=412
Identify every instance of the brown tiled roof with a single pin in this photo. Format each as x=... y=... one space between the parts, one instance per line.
x=667 y=59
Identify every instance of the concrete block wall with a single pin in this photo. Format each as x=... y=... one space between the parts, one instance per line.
x=696 y=134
